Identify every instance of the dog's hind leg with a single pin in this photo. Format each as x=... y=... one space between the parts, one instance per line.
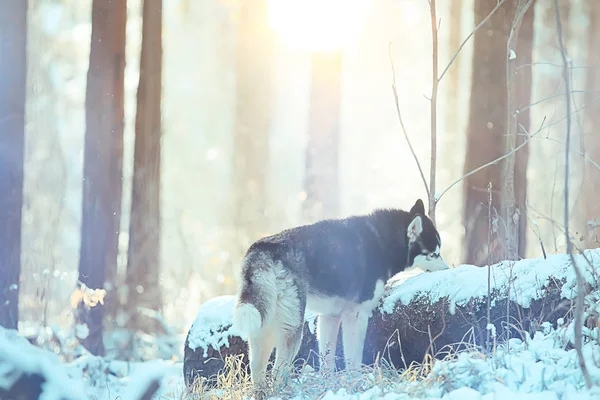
x=354 y=332
x=327 y=335
x=260 y=348
x=288 y=343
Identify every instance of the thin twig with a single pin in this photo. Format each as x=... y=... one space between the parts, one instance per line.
x=497 y=160
x=434 y=94
x=580 y=153
x=402 y=122
x=489 y=268
x=535 y=103
x=579 y=302
x=469 y=37
x=533 y=64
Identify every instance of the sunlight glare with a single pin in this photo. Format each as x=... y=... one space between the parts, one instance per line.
x=316 y=25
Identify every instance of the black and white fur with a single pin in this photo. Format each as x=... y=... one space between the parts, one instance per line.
x=335 y=268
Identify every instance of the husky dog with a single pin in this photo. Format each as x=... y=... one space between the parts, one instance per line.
x=336 y=268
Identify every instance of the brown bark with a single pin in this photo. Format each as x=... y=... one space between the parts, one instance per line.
x=591 y=181
x=322 y=152
x=514 y=167
x=143 y=266
x=412 y=323
x=452 y=81
x=13 y=77
x=523 y=84
x=103 y=159
x=254 y=74
x=487 y=129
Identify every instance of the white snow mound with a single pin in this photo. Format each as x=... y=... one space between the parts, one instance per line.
x=466 y=282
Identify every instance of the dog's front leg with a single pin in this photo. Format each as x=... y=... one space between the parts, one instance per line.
x=327 y=334
x=354 y=331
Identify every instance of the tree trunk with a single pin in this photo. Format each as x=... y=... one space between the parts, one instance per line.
x=523 y=83
x=487 y=128
x=591 y=173
x=103 y=159
x=418 y=316
x=322 y=152
x=514 y=167
x=453 y=76
x=254 y=74
x=143 y=266
x=13 y=79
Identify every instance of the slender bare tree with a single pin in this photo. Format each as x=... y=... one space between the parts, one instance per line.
x=103 y=159
x=321 y=181
x=13 y=76
x=514 y=167
x=591 y=185
x=143 y=266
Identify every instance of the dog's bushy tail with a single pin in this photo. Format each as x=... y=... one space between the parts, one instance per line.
x=257 y=300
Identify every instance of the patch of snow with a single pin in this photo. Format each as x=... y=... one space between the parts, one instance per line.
x=492 y=329
x=213 y=324
x=19 y=357
x=461 y=284
x=111 y=379
x=81 y=331
x=538 y=369
x=148 y=374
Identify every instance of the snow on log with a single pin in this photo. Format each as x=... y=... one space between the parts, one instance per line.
x=420 y=313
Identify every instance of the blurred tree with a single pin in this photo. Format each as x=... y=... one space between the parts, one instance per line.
x=486 y=138
x=453 y=79
x=103 y=159
x=143 y=266
x=591 y=173
x=514 y=167
x=254 y=75
x=523 y=81
x=13 y=75
x=322 y=152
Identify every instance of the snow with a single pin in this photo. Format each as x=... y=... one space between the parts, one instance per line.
x=544 y=366
x=86 y=377
x=212 y=327
x=538 y=369
x=461 y=284
x=213 y=324
x=18 y=357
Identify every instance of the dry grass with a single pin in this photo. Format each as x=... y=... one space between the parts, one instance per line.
x=233 y=383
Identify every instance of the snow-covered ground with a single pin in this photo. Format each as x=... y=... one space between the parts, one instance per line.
x=88 y=377
x=542 y=367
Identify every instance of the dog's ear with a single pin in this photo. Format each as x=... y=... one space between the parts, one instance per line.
x=415 y=228
x=418 y=208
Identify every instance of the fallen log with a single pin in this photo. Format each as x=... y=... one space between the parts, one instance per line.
x=423 y=313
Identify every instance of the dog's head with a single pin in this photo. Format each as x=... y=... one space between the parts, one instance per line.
x=424 y=241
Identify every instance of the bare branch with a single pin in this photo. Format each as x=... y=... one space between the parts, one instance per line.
x=579 y=302
x=402 y=122
x=535 y=103
x=469 y=37
x=533 y=64
x=497 y=160
x=434 y=94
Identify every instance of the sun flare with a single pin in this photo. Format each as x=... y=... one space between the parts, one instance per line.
x=316 y=25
